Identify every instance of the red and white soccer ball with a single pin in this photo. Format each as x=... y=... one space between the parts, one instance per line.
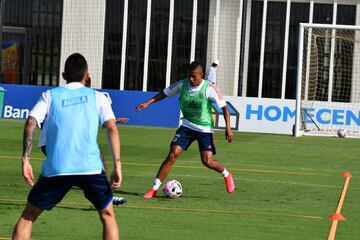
x=342 y=133
x=172 y=189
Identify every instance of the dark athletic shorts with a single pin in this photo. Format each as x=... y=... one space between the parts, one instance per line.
x=185 y=136
x=49 y=191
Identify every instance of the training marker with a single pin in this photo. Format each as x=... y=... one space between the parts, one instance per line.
x=337 y=215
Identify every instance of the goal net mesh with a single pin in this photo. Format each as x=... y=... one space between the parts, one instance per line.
x=330 y=84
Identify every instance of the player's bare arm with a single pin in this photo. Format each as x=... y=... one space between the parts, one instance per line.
x=114 y=144
x=29 y=132
x=122 y=120
x=161 y=95
x=229 y=136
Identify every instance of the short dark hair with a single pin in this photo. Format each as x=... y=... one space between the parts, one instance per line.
x=75 y=67
x=194 y=65
x=214 y=65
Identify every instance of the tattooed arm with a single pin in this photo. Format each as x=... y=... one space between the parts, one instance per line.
x=29 y=131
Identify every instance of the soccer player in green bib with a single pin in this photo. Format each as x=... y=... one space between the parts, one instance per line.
x=196 y=96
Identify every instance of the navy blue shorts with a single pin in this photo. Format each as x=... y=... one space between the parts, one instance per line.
x=185 y=136
x=49 y=191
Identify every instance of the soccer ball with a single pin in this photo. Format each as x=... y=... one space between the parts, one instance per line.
x=341 y=133
x=172 y=189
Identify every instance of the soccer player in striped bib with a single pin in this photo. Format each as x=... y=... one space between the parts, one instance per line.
x=196 y=96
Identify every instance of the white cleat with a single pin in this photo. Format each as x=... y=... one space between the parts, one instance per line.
x=118 y=201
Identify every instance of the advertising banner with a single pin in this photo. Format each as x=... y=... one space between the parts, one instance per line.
x=10 y=61
x=262 y=115
x=330 y=116
x=20 y=99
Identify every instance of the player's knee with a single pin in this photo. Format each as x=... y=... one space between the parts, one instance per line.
x=207 y=161
x=172 y=158
x=106 y=214
x=31 y=213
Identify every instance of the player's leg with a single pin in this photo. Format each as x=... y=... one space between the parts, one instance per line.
x=208 y=160
x=23 y=227
x=171 y=158
x=181 y=141
x=98 y=191
x=108 y=220
x=45 y=194
x=164 y=170
x=207 y=151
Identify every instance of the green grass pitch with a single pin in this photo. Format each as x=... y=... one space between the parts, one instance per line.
x=286 y=189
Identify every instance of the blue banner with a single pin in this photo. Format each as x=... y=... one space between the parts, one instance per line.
x=20 y=99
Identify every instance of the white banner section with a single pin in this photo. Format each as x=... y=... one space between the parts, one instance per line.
x=326 y=118
x=261 y=115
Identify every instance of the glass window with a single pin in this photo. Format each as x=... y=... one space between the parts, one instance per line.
x=254 y=49
x=181 y=39
x=135 y=45
x=346 y=14
x=323 y=14
x=343 y=59
x=158 y=45
x=274 y=49
x=299 y=13
x=202 y=31
x=113 y=44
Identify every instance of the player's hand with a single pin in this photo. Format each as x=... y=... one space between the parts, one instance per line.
x=27 y=171
x=229 y=136
x=122 y=120
x=141 y=107
x=116 y=179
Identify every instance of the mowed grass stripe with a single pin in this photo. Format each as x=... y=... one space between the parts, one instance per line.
x=215 y=211
x=193 y=167
x=241 y=179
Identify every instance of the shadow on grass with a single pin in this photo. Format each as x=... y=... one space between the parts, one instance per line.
x=127 y=193
x=158 y=196
x=72 y=206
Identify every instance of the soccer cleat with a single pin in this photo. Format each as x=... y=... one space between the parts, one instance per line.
x=230 y=185
x=151 y=193
x=118 y=201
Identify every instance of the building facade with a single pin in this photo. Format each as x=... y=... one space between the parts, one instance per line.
x=145 y=45
x=35 y=27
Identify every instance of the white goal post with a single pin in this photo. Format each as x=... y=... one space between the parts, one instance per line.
x=328 y=80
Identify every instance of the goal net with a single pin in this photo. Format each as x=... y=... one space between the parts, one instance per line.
x=328 y=80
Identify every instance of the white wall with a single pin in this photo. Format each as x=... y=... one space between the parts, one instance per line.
x=211 y=29
x=229 y=12
x=83 y=32
x=227 y=45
